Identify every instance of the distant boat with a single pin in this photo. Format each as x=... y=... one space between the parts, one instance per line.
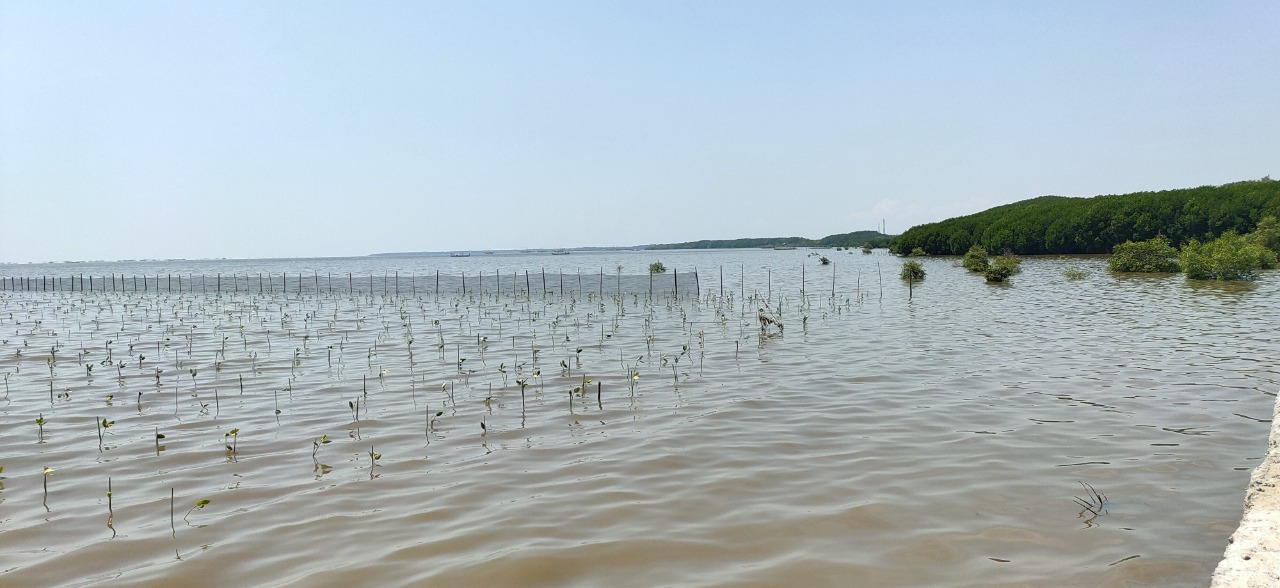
x=560 y=252
x=456 y=254
x=784 y=248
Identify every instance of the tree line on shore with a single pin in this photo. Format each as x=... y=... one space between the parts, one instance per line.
x=1064 y=225
x=1226 y=232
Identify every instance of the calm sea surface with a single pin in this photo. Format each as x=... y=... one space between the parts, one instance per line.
x=543 y=429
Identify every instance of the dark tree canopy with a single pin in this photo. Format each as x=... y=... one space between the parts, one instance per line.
x=1058 y=224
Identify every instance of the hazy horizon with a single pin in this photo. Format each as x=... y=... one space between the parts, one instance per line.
x=152 y=130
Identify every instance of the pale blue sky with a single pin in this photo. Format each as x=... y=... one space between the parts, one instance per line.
x=252 y=129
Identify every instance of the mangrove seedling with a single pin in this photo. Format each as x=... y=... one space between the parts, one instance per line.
x=234 y=435
x=40 y=424
x=1093 y=503
x=767 y=319
x=111 y=511
x=315 y=448
x=102 y=424
x=47 y=470
x=355 y=413
x=200 y=504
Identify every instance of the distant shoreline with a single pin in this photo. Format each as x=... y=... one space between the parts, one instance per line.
x=478 y=252
x=856 y=239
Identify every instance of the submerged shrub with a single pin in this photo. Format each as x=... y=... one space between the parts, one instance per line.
x=975 y=260
x=1074 y=273
x=997 y=273
x=1229 y=257
x=1015 y=264
x=1003 y=268
x=657 y=268
x=917 y=252
x=912 y=271
x=1155 y=255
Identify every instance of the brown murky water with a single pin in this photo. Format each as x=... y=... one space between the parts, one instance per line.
x=878 y=442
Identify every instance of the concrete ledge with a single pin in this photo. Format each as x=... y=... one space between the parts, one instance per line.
x=1252 y=559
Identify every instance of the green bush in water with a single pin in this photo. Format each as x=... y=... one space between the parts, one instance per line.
x=1155 y=255
x=912 y=270
x=1003 y=268
x=975 y=260
x=1229 y=257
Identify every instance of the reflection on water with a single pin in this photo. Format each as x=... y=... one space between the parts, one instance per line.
x=549 y=436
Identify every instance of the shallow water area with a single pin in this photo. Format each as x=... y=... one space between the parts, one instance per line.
x=578 y=426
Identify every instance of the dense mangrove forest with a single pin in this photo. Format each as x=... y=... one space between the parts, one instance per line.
x=1064 y=225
